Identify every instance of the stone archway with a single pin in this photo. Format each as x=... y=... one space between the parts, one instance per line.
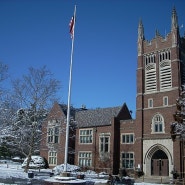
x=157 y=161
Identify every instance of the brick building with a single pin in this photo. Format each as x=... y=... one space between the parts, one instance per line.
x=108 y=139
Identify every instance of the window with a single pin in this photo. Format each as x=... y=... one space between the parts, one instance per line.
x=104 y=142
x=128 y=138
x=150 y=103
x=53 y=135
x=157 y=124
x=165 y=74
x=86 y=136
x=165 y=101
x=52 y=155
x=150 y=73
x=85 y=159
x=128 y=160
x=149 y=59
x=104 y=146
x=165 y=55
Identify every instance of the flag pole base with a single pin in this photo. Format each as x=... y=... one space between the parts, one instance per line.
x=65 y=174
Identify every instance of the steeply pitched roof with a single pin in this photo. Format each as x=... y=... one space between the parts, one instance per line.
x=64 y=109
x=96 y=117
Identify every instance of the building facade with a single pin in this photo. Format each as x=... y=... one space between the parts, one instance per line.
x=108 y=139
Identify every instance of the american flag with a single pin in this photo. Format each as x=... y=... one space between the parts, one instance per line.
x=71 y=27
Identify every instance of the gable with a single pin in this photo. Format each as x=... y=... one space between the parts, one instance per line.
x=124 y=113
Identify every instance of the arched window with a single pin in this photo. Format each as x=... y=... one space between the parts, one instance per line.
x=158 y=124
x=160 y=58
x=163 y=56
x=169 y=56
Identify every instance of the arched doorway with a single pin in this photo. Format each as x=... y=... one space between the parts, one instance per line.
x=159 y=164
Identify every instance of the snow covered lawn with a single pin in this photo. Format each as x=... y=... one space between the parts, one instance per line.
x=12 y=170
x=9 y=169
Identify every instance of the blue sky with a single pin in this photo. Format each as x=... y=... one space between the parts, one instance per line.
x=35 y=33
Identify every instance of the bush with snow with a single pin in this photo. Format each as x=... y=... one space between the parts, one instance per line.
x=37 y=162
x=17 y=159
x=70 y=168
x=76 y=170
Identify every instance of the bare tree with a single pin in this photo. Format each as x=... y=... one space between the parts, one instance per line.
x=3 y=71
x=5 y=110
x=3 y=76
x=34 y=94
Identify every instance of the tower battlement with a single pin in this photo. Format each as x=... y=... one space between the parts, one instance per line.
x=158 y=43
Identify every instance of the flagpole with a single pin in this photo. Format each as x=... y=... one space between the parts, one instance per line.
x=69 y=98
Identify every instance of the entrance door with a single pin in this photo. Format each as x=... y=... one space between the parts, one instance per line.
x=159 y=164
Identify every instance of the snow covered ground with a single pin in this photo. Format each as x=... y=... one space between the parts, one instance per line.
x=9 y=169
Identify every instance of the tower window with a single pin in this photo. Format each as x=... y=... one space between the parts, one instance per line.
x=150 y=77
x=169 y=56
x=158 y=124
x=165 y=101
x=150 y=103
x=165 y=74
x=165 y=55
x=149 y=59
x=150 y=73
